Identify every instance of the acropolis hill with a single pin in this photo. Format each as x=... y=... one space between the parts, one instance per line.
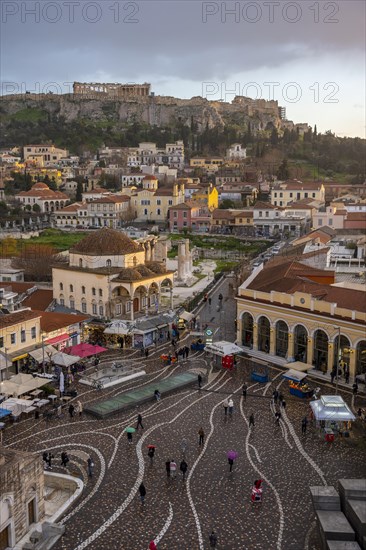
x=123 y=103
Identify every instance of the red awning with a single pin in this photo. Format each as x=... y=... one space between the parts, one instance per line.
x=58 y=339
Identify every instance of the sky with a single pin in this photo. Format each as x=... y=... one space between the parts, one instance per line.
x=308 y=55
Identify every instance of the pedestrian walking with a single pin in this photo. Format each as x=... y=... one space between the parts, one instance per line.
x=64 y=459
x=355 y=389
x=201 y=434
x=167 y=467
x=231 y=407
x=147 y=353
x=49 y=460
x=199 y=379
x=280 y=398
x=346 y=376
x=80 y=408
x=90 y=466
x=142 y=491
x=251 y=420
x=142 y=352
x=173 y=469
x=231 y=464
x=244 y=390
x=129 y=437
x=152 y=545
x=277 y=418
x=304 y=424
x=213 y=539
x=209 y=301
x=187 y=352
x=225 y=405
x=183 y=468
x=283 y=403
x=275 y=397
x=332 y=375
x=71 y=410
x=45 y=460
x=150 y=454
x=139 y=422
x=157 y=395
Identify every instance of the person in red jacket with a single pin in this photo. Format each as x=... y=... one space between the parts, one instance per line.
x=152 y=546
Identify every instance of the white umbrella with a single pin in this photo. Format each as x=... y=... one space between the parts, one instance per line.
x=64 y=360
x=62 y=382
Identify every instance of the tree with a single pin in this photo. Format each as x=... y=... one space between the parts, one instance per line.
x=3 y=209
x=36 y=208
x=79 y=191
x=226 y=203
x=37 y=261
x=283 y=172
x=274 y=137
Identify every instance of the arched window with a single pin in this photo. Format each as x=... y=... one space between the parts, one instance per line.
x=264 y=334
x=361 y=357
x=94 y=291
x=300 y=343
x=71 y=288
x=341 y=352
x=109 y=263
x=320 y=350
x=281 y=339
x=61 y=286
x=247 y=330
x=80 y=262
x=83 y=289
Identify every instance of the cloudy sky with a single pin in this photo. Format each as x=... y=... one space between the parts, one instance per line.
x=310 y=56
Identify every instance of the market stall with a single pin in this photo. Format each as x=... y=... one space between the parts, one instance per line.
x=297 y=384
x=333 y=416
x=224 y=350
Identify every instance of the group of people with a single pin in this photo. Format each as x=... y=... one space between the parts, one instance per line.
x=228 y=405
x=48 y=457
x=75 y=409
x=171 y=469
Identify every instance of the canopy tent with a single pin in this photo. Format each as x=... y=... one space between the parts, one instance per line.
x=15 y=406
x=21 y=383
x=118 y=328
x=186 y=316
x=37 y=354
x=4 y=361
x=64 y=360
x=85 y=350
x=4 y=412
x=294 y=375
x=223 y=348
x=332 y=408
x=299 y=366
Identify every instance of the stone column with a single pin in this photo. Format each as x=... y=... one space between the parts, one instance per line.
x=147 y=251
x=330 y=360
x=291 y=346
x=132 y=318
x=171 y=298
x=152 y=248
x=272 y=341
x=255 y=337
x=310 y=351
x=352 y=362
x=181 y=261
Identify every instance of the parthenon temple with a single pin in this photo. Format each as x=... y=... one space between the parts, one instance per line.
x=111 y=90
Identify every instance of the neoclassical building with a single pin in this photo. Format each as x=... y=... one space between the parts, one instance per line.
x=109 y=275
x=290 y=311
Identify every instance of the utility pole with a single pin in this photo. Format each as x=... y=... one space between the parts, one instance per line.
x=337 y=357
x=6 y=363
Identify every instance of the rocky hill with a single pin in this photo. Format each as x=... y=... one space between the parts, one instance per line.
x=157 y=111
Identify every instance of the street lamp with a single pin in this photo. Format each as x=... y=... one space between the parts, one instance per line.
x=6 y=363
x=43 y=365
x=338 y=356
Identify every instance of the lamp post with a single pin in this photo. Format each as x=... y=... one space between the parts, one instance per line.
x=6 y=363
x=337 y=357
x=43 y=365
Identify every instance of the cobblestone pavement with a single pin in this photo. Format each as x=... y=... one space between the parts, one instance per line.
x=180 y=515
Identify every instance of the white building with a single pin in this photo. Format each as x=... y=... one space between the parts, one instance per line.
x=44 y=155
x=236 y=152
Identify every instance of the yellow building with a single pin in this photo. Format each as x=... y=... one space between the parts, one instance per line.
x=43 y=154
x=206 y=195
x=19 y=332
x=111 y=276
x=294 y=190
x=290 y=311
x=211 y=164
x=152 y=203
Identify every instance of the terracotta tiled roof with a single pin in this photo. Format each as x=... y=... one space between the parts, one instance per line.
x=182 y=206
x=221 y=214
x=39 y=300
x=105 y=242
x=51 y=320
x=97 y=190
x=17 y=287
x=18 y=317
x=260 y=205
x=150 y=177
x=74 y=207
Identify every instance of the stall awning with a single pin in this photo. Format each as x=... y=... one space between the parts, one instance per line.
x=58 y=339
x=186 y=316
x=223 y=348
x=37 y=354
x=299 y=366
x=295 y=375
x=332 y=408
x=118 y=328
